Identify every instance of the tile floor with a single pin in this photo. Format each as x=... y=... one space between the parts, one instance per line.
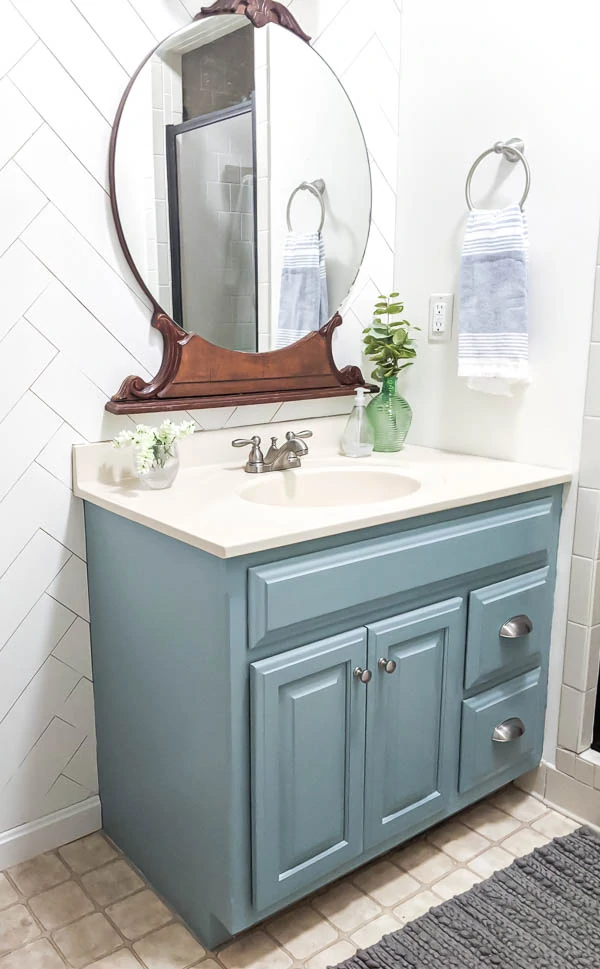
x=85 y=906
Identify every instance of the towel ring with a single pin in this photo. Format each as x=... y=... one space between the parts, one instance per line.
x=316 y=188
x=513 y=151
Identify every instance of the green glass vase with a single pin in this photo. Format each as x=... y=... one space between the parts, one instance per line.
x=391 y=416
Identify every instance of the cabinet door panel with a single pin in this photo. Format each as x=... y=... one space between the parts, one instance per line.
x=412 y=723
x=308 y=741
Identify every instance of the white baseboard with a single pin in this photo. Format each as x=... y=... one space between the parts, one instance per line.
x=26 y=841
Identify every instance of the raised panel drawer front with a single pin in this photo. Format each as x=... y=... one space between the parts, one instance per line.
x=509 y=626
x=412 y=731
x=308 y=744
x=502 y=731
x=310 y=587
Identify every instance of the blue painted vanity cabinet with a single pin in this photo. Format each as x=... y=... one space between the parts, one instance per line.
x=269 y=722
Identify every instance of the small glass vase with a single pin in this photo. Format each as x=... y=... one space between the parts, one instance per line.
x=164 y=470
x=391 y=416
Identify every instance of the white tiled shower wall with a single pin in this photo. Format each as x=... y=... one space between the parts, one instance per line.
x=576 y=783
x=73 y=326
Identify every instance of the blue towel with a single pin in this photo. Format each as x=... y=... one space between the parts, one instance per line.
x=493 y=343
x=304 y=304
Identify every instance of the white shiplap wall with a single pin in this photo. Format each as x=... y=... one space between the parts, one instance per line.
x=73 y=325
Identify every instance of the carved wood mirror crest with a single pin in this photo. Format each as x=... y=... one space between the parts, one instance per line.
x=196 y=373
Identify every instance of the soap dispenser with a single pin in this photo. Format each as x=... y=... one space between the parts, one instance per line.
x=358 y=438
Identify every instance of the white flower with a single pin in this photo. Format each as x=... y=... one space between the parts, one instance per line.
x=153 y=445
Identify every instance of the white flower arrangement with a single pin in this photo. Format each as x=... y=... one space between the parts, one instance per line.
x=154 y=445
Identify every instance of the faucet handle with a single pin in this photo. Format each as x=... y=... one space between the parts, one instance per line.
x=240 y=442
x=256 y=459
x=292 y=434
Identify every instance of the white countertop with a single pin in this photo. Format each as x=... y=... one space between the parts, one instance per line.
x=206 y=507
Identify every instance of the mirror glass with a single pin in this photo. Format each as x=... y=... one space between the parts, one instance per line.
x=243 y=183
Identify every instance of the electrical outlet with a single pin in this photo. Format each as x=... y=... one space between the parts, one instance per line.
x=441 y=306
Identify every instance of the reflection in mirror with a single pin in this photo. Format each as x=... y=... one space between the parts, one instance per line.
x=247 y=210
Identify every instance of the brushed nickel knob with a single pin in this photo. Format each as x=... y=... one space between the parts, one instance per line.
x=508 y=731
x=516 y=627
x=365 y=676
x=387 y=665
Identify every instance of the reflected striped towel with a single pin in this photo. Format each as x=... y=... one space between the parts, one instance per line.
x=304 y=304
x=493 y=343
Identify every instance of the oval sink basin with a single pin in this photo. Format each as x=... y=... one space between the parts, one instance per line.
x=329 y=488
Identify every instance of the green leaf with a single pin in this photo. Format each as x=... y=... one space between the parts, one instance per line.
x=393 y=295
x=400 y=338
x=395 y=308
x=377 y=374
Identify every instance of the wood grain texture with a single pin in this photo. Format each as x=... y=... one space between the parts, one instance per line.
x=195 y=373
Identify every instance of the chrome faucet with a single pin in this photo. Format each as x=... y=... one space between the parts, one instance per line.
x=282 y=458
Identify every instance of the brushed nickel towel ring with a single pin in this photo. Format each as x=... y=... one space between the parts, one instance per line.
x=316 y=188
x=514 y=151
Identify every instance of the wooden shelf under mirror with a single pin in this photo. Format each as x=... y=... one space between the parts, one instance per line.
x=195 y=372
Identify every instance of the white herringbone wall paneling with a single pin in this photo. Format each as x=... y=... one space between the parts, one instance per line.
x=74 y=324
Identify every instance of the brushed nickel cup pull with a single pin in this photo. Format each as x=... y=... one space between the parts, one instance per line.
x=508 y=731
x=516 y=627
x=365 y=676
x=387 y=665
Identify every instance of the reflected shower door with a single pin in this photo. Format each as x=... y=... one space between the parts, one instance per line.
x=212 y=213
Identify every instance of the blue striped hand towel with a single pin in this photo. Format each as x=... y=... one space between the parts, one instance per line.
x=304 y=303
x=493 y=343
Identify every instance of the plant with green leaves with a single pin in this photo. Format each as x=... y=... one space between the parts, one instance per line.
x=388 y=341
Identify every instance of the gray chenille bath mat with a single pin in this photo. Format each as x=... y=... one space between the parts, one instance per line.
x=543 y=912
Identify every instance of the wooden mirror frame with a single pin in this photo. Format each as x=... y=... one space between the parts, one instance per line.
x=196 y=374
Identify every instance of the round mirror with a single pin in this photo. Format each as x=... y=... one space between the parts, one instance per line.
x=242 y=183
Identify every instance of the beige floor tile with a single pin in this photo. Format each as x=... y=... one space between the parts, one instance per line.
x=347 y=907
x=458 y=881
x=386 y=883
x=255 y=950
x=170 y=948
x=39 y=874
x=555 y=825
x=37 y=955
x=375 y=931
x=458 y=841
x=524 y=841
x=302 y=931
x=521 y=805
x=88 y=853
x=416 y=906
x=123 y=959
x=489 y=822
x=494 y=859
x=423 y=861
x=8 y=895
x=17 y=927
x=332 y=956
x=88 y=939
x=112 y=882
x=139 y=914
x=61 y=905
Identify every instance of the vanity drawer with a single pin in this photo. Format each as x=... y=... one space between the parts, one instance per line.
x=309 y=588
x=508 y=626
x=502 y=731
